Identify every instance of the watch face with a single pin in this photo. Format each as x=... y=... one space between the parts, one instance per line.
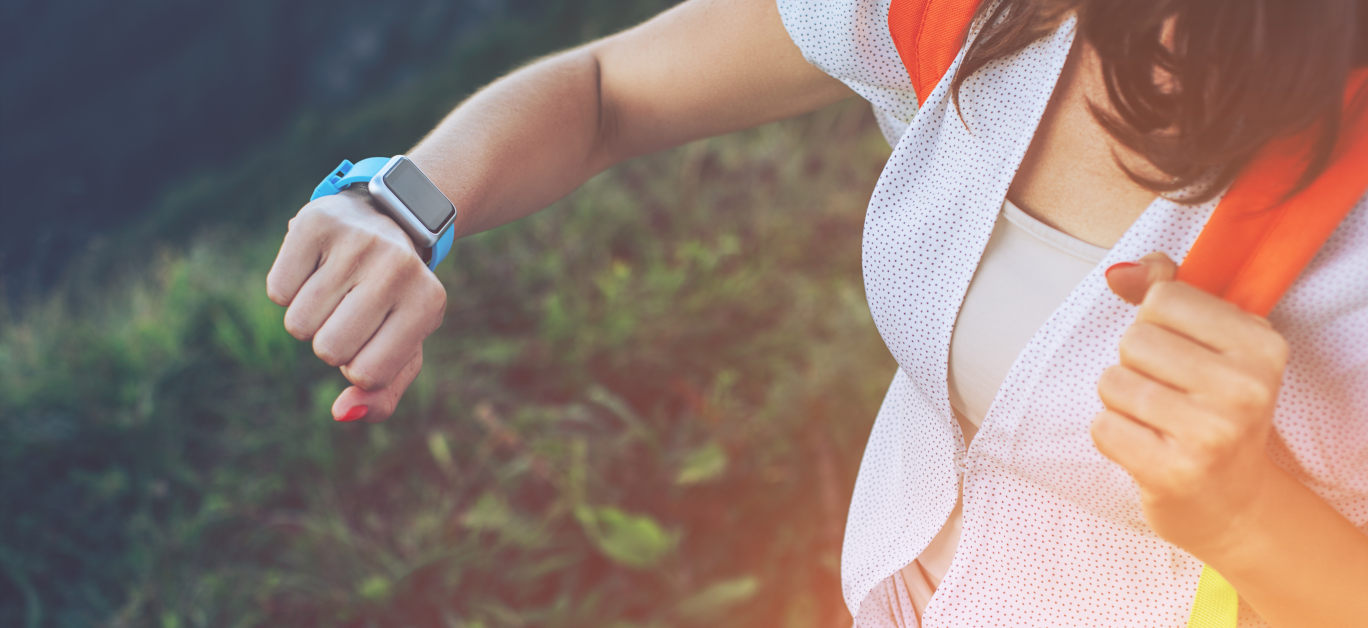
x=418 y=193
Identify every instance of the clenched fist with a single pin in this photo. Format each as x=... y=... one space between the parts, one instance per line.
x=353 y=284
x=1189 y=406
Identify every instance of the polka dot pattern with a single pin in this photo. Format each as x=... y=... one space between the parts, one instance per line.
x=850 y=41
x=1053 y=533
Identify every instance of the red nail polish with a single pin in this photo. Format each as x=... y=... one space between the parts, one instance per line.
x=354 y=413
x=1121 y=265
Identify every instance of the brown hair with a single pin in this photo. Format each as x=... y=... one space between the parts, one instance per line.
x=1244 y=71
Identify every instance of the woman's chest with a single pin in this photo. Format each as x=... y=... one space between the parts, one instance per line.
x=1070 y=177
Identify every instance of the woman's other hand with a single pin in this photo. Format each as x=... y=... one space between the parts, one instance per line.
x=1190 y=405
x=353 y=284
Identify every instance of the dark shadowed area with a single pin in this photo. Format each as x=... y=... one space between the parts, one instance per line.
x=645 y=407
x=107 y=104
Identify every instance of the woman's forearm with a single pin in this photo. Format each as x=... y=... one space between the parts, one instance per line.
x=703 y=68
x=519 y=144
x=1296 y=560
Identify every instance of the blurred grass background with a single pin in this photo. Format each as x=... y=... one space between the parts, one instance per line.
x=645 y=407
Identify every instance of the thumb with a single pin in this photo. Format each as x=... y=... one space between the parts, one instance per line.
x=376 y=405
x=1131 y=280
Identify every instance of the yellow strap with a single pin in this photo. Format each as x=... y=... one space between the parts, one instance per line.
x=1216 y=605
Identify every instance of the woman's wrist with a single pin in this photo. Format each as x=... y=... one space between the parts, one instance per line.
x=1293 y=558
x=1248 y=542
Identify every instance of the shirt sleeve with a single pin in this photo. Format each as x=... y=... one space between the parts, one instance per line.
x=849 y=40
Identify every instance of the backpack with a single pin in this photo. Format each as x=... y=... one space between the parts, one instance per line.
x=1257 y=240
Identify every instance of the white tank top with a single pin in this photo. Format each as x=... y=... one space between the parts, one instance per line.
x=1027 y=270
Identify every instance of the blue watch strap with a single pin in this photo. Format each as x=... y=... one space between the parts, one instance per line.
x=443 y=246
x=347 y=174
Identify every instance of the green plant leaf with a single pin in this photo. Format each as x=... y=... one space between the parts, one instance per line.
x=374 y=588
x=718 y=597
x=631 y=540
x=441 y=451
x=701 y=465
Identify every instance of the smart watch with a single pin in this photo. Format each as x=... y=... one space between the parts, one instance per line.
x=406 y=194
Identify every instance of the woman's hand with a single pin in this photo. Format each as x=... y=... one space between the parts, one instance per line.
x=1190 y=405
x=354 y=284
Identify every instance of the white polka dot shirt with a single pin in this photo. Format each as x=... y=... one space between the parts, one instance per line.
x=1053 y=533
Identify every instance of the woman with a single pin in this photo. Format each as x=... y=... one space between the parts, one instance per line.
x=1037 y=192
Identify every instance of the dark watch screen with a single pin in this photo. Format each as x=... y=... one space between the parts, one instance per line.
x=419 y=194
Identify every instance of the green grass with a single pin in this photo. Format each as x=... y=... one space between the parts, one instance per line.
x=645 y=408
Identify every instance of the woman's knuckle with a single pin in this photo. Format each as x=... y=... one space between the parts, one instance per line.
x=1111 y=379
x=435 y=294
x=398 y=264
x=274 y=292
x=434 y=322
x=1207 y=449
x=1278 y=350
x=414 y=268
x=1101 y=432
x=1244 y=391
x=1130 y=340
x=305 y=218
x=353 y=262
x=318 y=223
x=327 y=351
x=420 y=286
x=1149 y=400
x=1160 y=296
x=1098 y=432
x=295 y=327
x=388 y=257
x=364 y=376
x=1211 y=440
x=1137 y=340
x=378 y=245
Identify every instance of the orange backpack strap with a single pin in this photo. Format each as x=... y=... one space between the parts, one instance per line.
x=1254 y=247
x=928 y=35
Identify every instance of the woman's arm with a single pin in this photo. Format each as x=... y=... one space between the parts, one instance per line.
x=703 y=68
x=350 y=278
x=1189 y=413
x=1296 y=560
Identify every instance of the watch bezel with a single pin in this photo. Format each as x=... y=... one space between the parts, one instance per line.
x=401 y=213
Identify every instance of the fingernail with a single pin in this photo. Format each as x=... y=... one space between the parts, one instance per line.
x=354 y=413
x=1121 y=265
